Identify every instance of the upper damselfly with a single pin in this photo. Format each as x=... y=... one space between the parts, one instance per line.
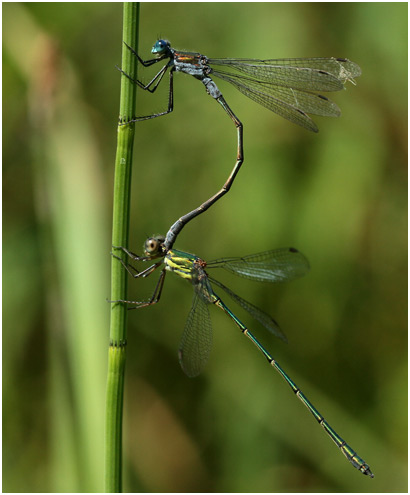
x=279 y=265
x=289 y=87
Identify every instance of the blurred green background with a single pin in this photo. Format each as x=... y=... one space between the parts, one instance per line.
x=339 y=196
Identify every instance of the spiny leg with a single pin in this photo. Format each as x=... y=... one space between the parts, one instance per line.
x=133 y=271
x=153 y=299
x=145 y=63
x=147 y=87
x=170 y=101
x=132 y=255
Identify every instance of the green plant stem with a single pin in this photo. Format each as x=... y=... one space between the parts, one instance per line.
x=120 y=231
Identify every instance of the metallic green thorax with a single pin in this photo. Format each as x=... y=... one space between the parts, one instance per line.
x=183 y=264
x=191 y=267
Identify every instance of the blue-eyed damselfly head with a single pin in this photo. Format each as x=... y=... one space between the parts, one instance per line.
x=161 y=47
x=153 y=246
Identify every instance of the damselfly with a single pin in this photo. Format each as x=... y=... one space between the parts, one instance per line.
x=279 y=265
x=288 y=87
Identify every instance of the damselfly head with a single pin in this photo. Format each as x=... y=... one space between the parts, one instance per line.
x=153 y=246
x=161 y=47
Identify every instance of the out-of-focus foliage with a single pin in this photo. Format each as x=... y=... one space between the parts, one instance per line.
x=339 y=196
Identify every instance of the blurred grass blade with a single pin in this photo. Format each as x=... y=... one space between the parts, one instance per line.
x=69 y=209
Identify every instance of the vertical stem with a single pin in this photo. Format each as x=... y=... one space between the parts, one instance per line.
x=120 y=230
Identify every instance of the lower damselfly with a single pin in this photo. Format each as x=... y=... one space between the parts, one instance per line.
x=290 y=88
x=278 y=265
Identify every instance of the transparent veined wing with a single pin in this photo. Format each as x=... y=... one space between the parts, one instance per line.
x=196 y=341
x=264 y=319
x=277 y=265
x=307 y=74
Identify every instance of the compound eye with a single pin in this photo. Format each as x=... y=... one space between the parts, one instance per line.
x=160 y=47
x=164 y=44
x=153 y=245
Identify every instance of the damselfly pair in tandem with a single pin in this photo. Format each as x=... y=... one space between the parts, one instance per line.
x=289 y=88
